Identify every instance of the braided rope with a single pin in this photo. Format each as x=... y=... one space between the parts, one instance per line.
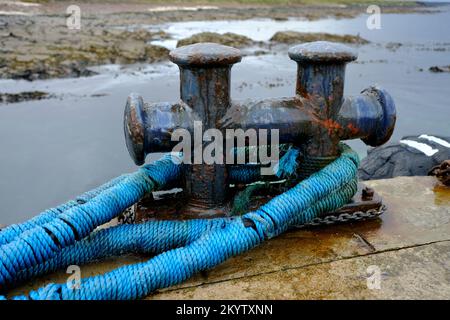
x=42 y=242
x=183 y=248
x=11 y=232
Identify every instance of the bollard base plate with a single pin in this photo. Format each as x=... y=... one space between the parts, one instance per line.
x=171 y=205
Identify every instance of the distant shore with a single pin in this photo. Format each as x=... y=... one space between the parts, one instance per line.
x=36 y=42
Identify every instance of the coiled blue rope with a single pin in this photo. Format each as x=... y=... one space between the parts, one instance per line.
x=43 y=239
x=183 y=248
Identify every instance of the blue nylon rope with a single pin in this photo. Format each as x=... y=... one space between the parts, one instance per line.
x=238 y=173
x=42 y=242
x=183 y=248
x=9 y=233
x=151 y=237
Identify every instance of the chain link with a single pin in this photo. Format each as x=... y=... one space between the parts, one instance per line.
x=344 y=217
x=129 y=216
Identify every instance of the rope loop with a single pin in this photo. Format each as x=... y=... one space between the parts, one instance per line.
x=65 y=235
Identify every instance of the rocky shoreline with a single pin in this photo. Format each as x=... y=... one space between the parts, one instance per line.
x=24 y=96
x=70 y=56
x=39 y=45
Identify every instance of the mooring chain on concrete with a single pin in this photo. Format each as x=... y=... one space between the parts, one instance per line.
x=344 y=218
x=129 y=215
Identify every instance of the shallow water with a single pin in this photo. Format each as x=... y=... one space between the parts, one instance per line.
x=54 y=149
x=394 y=28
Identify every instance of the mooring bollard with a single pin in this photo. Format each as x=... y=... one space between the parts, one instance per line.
x=316 y=119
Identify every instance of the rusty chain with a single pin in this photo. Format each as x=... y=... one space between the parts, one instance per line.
x=128 y=216
x=344 y=217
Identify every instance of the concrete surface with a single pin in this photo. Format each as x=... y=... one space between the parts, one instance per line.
x=404 y=254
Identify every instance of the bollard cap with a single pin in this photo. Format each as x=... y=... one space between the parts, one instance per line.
x=322 y=51
x=205 y=54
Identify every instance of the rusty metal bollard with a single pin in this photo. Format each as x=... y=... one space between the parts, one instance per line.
x=315 y=119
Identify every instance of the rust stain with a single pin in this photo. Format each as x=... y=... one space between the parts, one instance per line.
x=442 y=194
x=353 y=129
x=137 y=134
x=331 y=125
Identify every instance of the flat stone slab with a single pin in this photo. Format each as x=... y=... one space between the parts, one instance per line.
x=403 y=254
x=412 y=273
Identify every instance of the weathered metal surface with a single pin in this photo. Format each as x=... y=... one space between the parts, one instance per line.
x=315 y=119
x=322 y=52
x=205 y=55
x=171 y=205
x=205 y=88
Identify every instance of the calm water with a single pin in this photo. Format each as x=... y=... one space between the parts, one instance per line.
x=52 y=150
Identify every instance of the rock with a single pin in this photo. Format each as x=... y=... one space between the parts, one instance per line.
x=405 y=158
x=128 y=51
x=300 y=37
x=44 y=67
x=227 y=39
x=72 y=58
x=438 y=69
x=442 y=172
x=23 y=96
x=393 y=46
x=156 y=53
